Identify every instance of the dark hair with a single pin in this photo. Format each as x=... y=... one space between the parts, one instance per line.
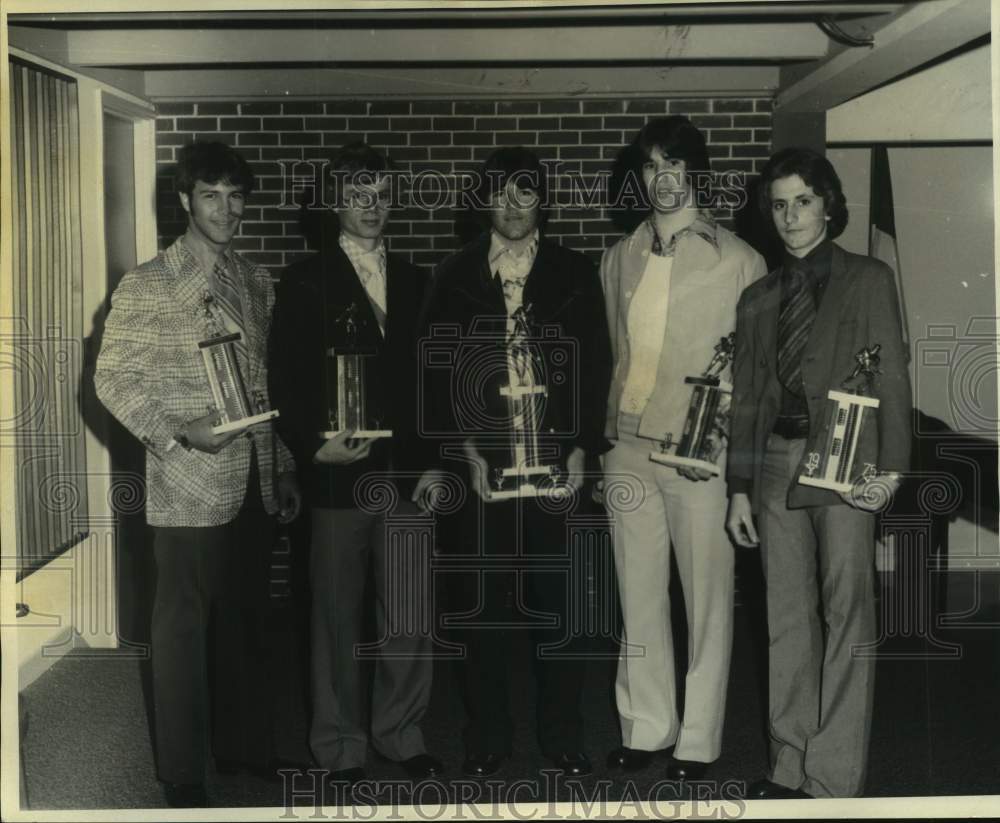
x=211 y=163
x=511 y=163
x=356 y=159
x=816 y=172
x=677 y=137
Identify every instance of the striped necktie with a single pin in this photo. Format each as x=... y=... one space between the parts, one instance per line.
x=795 y=320
x=227 y=295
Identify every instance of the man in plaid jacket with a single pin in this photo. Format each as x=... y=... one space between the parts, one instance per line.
x=210 y=496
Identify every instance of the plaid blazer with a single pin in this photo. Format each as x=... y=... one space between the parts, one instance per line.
x=151 y=376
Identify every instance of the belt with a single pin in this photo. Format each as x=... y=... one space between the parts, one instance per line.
x=791 y=428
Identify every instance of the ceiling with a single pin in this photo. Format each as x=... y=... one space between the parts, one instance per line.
x=811 y=55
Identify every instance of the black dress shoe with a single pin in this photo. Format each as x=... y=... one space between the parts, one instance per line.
x=185 y=795
x=422 y=766
x=769 y=790
x=679 y=769
x=629 y=760
x=573 y=764
x=483 y=765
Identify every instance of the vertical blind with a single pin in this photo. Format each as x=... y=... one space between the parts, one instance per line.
x=51 y=474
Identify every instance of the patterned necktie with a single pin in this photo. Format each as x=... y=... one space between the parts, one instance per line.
x=795 y=320
x=228 y=298
x=371 y=270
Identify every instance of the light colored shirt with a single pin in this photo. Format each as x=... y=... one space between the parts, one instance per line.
x=370 y=268
x=647 y=321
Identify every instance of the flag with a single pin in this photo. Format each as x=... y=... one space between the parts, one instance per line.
x=882 y=226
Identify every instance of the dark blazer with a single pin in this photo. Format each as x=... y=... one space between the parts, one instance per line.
x=859 y=309
x=312 y=295
x=465 y=314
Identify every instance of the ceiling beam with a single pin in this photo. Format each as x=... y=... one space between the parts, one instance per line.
x=494 y=83
x=478 y=13
x=914 y=36
x=768 y=42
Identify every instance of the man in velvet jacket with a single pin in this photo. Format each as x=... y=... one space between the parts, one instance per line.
x=356 y=294
x=798 y=335
x=475 y=297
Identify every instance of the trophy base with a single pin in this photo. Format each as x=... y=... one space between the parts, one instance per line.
x=675 y=460
x=527 y=491
x=823 y=483
x=244 y=422
x=360 y=434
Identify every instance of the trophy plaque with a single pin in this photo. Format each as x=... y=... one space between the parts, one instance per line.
x=236 y=408
x=347 y=402
x=848 y=412
x=527 y=475
x=706 y=423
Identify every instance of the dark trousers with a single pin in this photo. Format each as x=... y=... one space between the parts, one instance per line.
x=518 y=579
x=210 y=618
x=344 y=543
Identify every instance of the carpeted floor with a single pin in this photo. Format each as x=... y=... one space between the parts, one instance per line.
x=86 y=742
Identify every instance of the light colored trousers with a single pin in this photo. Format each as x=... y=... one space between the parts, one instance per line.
x=686 y=517
x=819 y=564
x=344 y=541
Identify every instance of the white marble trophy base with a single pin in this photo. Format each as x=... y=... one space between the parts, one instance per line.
x=360 y=434
x=244 y=422
x=668 y=459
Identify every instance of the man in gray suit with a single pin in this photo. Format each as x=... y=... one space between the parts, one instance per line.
x=798 y=334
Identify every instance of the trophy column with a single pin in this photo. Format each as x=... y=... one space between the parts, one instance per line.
x=706 y=423
x=524 y=394
x=236 y=408
x=849 y=411
x=346 y=384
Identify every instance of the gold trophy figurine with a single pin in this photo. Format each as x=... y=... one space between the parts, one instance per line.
x=849 y=411
x=706 y=425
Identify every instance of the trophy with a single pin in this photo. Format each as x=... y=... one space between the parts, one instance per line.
x=229 y=392
x=527 y=475
x=706 y=424
x=347 y=402
x=848 y=412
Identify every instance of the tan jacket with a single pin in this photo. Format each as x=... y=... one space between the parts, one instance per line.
x=151 y=376
x=711 y=268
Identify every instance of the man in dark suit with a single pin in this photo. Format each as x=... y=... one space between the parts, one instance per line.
x=799 y=332
x=510 y=281
x=355 y=296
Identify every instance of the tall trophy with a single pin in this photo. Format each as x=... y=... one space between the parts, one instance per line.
x=527 y=475
x=236 y=407
x=706 y=425
x=848 y=413
x=348 y=406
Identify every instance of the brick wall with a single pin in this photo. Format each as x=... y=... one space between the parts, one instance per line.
x=583 y=136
